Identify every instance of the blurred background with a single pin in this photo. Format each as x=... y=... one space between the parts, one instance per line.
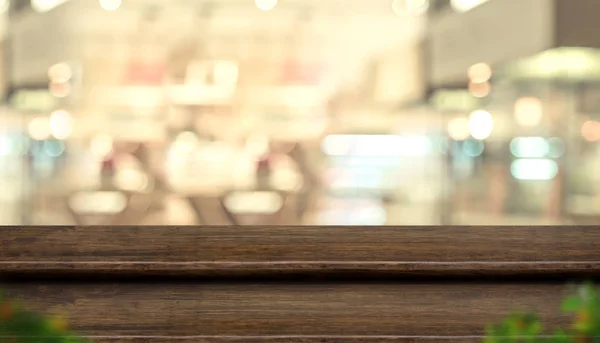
x=299 y=112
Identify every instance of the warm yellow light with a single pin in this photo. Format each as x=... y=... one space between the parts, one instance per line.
x=39 y=128
x=110 y=5
x=458 y=129
x=101 y=146
x=410 y=7
x=528 y=111
x=60 y=90
x=61 y=124
x=465 y=5
x=60 y=73
x=185 y=143
x=4 y=6
x=254 y=202
x=226 y=74
x=130 y=179
x=591 y=131
x=266 y=5
x=481 y=124
x=45 y=5
x=257 y=145
x=480 y=90
x=479 y=73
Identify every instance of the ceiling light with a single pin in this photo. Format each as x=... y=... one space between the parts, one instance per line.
x=410 y=7
x=45 y=5
x=110 y=5
x=465 y=5
x=265 y=5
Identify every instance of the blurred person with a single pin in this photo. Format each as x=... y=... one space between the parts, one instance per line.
x=107 y=171
x=27 y=205
x=310 y=184
x=264 y=171
x=143 y=154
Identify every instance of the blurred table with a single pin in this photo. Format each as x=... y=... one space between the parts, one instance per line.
x=210 y=206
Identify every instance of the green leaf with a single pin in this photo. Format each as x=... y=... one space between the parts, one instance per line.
x=490 y=329
x=560 y=336
x=572 y=303
x=534 y=328
x=32 y=327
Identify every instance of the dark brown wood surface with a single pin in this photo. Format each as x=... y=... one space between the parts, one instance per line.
x=297 y=339
x=292 y=339
x=337 y=310
x=230 y=250
x=287 y=309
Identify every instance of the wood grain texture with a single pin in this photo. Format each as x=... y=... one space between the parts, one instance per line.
x=332 y=311
x=294 y=339
x=280 y=309
x=291 y=339
x=215 y=251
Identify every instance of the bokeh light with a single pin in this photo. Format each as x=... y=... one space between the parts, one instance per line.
x=60 y=90
x=465 y=5
x=61 y=124
x=410 y=7
x=480 y=90
x=60 y=73
x=45 y=5
x=479 y=73
x=39 y=128
x=265 y=5
x=111 y=5
x=590 y=130
x=528 y=111
x=529 y=147
x=54 y=148
x=226 y=74
x=130 y=179
x=481 y=124
x=4 y=6
x=534 y=169
x=458 y=129
x=557 y=147
x=101 y=146
x=190 y=98
x=473 y=147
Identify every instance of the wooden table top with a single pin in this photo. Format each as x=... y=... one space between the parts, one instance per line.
x=294 y=284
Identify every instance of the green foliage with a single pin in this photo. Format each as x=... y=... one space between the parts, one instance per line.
x=18 y=325
x=520 y=327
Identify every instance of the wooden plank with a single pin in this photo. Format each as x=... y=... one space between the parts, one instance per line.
x=235 y=250
x=372 y=310
x=291 y=339
x=298 y=339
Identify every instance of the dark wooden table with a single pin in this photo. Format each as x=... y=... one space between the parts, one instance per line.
x=294 y=284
